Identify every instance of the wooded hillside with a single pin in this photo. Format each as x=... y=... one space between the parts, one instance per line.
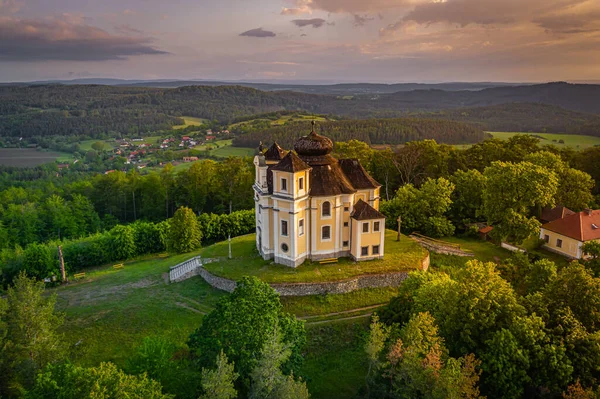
x=371 y=131
x=110 y=111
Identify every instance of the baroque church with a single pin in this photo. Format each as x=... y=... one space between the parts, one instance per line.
x=309 y=205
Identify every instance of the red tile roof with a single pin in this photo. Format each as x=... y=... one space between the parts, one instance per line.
x=580 y=226
x=558 y=212
x=486 y=229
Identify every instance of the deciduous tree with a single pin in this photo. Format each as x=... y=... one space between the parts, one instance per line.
x=184 y=231
x=241 y=324
x=219 y=383
x=512 y=192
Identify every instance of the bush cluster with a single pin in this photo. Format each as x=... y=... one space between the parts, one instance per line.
x=120 y=243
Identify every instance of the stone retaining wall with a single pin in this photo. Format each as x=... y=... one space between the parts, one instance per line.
x=303 y=289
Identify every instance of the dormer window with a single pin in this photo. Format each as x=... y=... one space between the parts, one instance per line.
x=301 y=183
x=283 y=184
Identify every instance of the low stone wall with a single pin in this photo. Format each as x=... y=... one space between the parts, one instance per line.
x=342 y=286
x=303 y=289
x=511 y=248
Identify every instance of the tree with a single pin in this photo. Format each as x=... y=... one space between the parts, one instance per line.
x=98 y=146
x=161 y=360
x=511 y=193
x=67 y=381
x=574 y=189
x=39 y=261
x=354 y=149
x=467 y=197
x=184 y=231
x=31 y=339
x=240 y=325
x=218 y=383
x=378 y=335
x=422 y=209
x=418 y=365
x=585 y=304
x=592 y=248
x=122 y=239
x=268 y=381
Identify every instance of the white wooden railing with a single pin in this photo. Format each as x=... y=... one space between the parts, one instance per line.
x=184 y=268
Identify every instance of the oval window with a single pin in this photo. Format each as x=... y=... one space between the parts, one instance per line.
x=284 y=247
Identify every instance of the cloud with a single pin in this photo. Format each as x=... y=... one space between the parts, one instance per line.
x=296 y=11
x=63 y=39
x=127 y=29
x=315 y=22
x=258 y=32
x=570 y=22
x=481 y=12
x=349 y=6
x=10 y=6
x=362 y=20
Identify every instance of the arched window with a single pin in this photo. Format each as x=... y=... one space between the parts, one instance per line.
x=326 y=233
x=326 y=209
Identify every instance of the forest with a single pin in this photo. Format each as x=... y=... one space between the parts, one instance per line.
x=509 y=329
x=370 y=131
x=108 y=111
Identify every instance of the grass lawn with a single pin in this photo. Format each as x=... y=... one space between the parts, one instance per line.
x=190 y=121
x=335 y=363
x=303 y=306
x=483 y=250
x=570 y=140
x=399 y=256
x=110 y=312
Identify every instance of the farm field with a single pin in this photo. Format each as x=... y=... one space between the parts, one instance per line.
x=570 y=140
x=190 y=121
x=282 y=120
x=30 y=157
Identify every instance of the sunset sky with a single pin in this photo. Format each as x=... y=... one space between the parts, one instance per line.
x=301 y=40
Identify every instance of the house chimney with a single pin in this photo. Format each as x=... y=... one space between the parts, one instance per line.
x=588 y=211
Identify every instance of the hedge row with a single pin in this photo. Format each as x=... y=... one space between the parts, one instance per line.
x=120 y=243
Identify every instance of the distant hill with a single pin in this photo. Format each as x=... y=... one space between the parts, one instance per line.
x=523 y=117
x=576 y=97
x=341 y=89
x=100 y=110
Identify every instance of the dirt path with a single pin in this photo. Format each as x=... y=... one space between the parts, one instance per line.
x=307 y=318
x=314 y=323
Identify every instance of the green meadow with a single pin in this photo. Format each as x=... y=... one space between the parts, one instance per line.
x=568 y=140
x=190 y=121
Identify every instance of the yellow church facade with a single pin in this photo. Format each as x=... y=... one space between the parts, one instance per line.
x=310 y=205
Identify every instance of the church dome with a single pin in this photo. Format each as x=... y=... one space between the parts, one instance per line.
x=313 y=144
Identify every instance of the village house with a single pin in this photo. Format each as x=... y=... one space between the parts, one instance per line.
x=313 y=206
x=190 y=159
x=566 y=235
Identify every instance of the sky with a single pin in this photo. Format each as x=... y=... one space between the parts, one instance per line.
x=385 y=41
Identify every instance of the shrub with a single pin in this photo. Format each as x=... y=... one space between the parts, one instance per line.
x=122 y=242
x=184 y=231
x=39 y=261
